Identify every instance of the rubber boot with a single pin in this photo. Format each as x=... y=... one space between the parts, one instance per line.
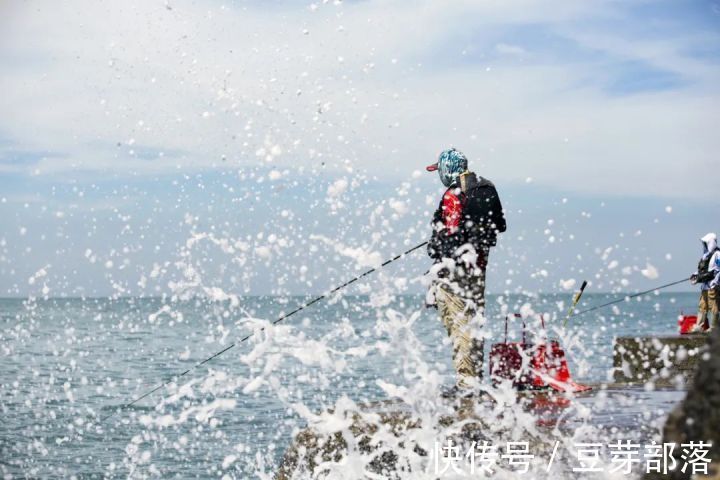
x=715 y=323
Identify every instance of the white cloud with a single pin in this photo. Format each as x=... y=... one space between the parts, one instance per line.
x=207 y=86
x=507 y=49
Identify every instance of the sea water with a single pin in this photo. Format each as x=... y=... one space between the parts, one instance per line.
x=67 y=363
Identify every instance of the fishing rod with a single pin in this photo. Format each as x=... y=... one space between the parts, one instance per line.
x=628 y=297
x=283 y=317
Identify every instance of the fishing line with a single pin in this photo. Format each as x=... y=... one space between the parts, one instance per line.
x=283 y=317
x=628 y=297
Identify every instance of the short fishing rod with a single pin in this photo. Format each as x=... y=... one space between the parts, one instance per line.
x=576 y=300
x=628 y=297
x=283 y=317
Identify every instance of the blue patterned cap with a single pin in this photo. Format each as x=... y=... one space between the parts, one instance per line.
x=451 y=163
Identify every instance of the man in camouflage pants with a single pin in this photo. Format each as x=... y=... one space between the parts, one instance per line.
x=465 y=227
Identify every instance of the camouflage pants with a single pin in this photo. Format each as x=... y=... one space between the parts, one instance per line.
x=457 y=316
x=709 y=303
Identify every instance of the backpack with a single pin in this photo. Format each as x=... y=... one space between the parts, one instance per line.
x=482 y=211
x=704 y=273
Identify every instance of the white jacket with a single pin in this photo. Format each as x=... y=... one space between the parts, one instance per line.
x=710 y=248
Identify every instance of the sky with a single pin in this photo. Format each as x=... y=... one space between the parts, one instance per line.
x=277 y=147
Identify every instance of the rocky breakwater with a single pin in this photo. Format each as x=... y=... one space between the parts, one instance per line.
x=662 y=361
x=697 y=418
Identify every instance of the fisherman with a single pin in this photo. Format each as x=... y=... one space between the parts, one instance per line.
x=708 y=276
x=464 y=228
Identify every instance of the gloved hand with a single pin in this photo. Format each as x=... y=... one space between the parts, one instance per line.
x=693 y=278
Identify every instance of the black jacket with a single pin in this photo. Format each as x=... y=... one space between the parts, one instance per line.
x=482 y=219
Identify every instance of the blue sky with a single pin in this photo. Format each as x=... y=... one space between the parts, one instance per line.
x=131 y=127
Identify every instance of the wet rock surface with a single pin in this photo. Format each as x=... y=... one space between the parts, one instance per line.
x=387 y=439
x=697 y=418
x=314 y=454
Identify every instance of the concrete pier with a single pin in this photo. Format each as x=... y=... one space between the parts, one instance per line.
x=665 y=361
